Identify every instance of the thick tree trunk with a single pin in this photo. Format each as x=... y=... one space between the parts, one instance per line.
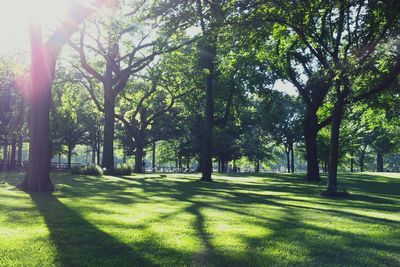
x=180 y=163
x=209 y=54
x=43 y=62
x=188 y=163
x=362 y=156
x=334 y=147
x=42 y=74
x=310 y=136
x=139 y=152
x=13 y=154
x=109 y=124
x=292 y=158
x=19 y=154
x=379 y=162
x=257 y=167
x=288 y=159
x=199 y=162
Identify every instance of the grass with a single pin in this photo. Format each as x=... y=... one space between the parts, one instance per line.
x=175 y=220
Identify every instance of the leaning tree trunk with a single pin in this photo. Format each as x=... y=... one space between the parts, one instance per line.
x=42 y=74
x=109 y=131
x=209 y=54
x=379 y=162
x=310 y=136
x=334 y=147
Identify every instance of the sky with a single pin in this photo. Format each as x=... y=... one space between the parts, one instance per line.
x=287 y=87
x=15 y=16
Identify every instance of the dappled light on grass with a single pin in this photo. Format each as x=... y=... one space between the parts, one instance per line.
x=147 y=220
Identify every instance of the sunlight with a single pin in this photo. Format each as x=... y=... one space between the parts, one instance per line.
x=16 y=15
x=47 y=12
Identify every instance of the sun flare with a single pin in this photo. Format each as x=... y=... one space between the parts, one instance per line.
x=16 y=15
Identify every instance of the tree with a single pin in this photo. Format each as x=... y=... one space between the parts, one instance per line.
x=146 y=103
x=43 y=63
x=116 y=63
x=283 y=118
x=73 y=121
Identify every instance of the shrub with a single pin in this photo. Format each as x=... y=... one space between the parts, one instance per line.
x=123 y=169
x=76 y=170
x=93 y=170
x=88 y=170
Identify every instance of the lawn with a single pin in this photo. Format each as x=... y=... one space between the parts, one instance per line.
x=176 y=220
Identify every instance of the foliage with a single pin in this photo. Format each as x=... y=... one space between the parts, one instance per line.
x=123 y=169
x=94 y=170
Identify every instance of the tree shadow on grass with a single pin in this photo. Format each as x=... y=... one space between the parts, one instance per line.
x=78 y=242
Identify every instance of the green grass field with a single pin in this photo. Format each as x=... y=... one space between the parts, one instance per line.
x=176 y=220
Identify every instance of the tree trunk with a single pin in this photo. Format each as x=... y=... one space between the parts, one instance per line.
x=362 y=156
x=43 y=63
x=288 y=159
x=188 y=163
x=13 y=154
x=379 y=162
x=351 y=161
x=109 y=124
x=153 y=157
x=5 y=153
x=42 y=74
x=292 y=158
x=69 y=157
x=98 y=150
x=139 y=152
x=179 y=163
x=219 y=166
x=20 y=147
x=334 y=146
x=257 y=167
x=94 y=147
x=310 y=136
x=209 y=54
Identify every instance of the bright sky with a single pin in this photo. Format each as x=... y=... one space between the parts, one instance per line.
x=15 y=16
x=286 y=87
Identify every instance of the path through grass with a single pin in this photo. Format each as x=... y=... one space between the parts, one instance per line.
x=153 y=220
